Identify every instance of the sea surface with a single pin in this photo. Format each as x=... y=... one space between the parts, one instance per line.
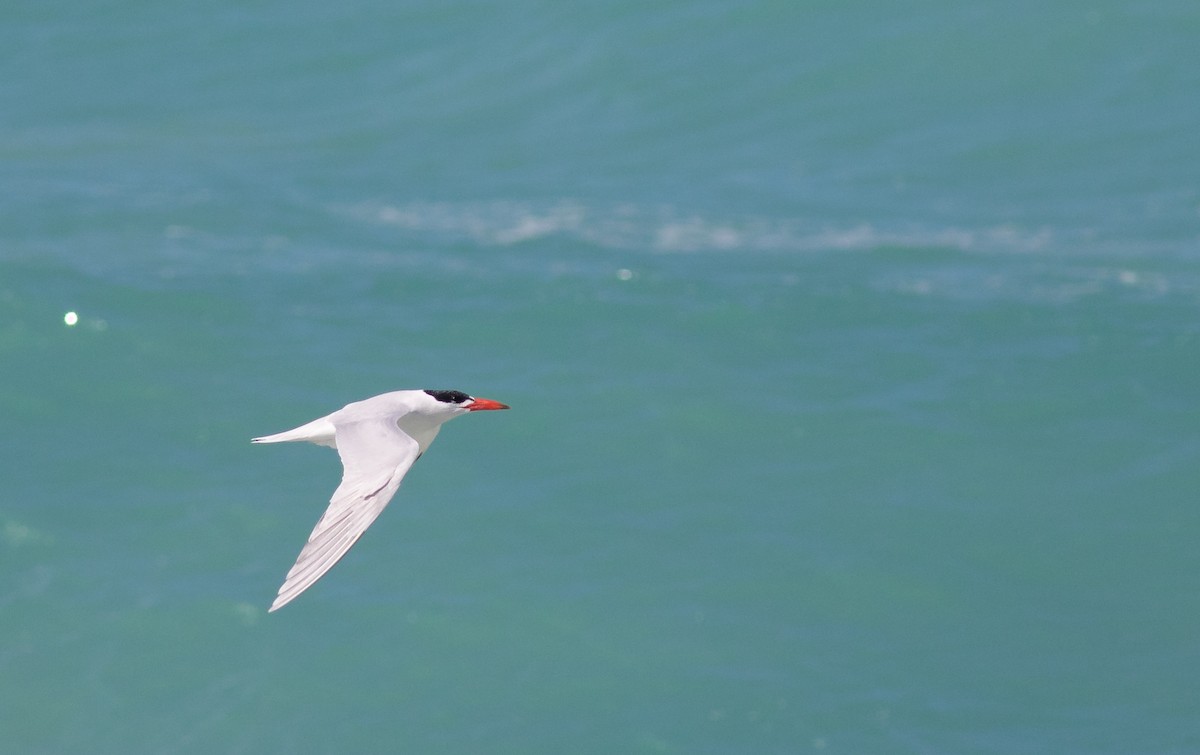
x=853 y=352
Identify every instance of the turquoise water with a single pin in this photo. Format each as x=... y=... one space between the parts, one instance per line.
x=852 y=352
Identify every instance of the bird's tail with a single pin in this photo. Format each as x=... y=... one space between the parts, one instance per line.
x=319 y=431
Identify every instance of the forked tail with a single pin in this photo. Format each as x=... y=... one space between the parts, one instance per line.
x=319 y=431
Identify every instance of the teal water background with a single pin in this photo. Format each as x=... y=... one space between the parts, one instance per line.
x=853 y=352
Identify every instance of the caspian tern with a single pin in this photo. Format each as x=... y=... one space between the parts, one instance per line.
x=378 y=439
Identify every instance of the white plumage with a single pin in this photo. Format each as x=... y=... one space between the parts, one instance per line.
x=378 y=440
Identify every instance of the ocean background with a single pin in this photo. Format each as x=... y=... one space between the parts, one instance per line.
x=853 y=352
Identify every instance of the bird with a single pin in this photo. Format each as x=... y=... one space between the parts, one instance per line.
x=378 y=440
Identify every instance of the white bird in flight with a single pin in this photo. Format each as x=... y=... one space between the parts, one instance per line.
x=378 y=439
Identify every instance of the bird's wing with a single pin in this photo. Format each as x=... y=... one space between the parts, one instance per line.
x=376 y=454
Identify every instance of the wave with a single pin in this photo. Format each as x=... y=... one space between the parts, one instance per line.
x=666 y=229
x=1043 y=264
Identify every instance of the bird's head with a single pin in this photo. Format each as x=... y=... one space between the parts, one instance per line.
x=457 y=402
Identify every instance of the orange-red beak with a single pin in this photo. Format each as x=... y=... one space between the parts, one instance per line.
x=483 y=404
